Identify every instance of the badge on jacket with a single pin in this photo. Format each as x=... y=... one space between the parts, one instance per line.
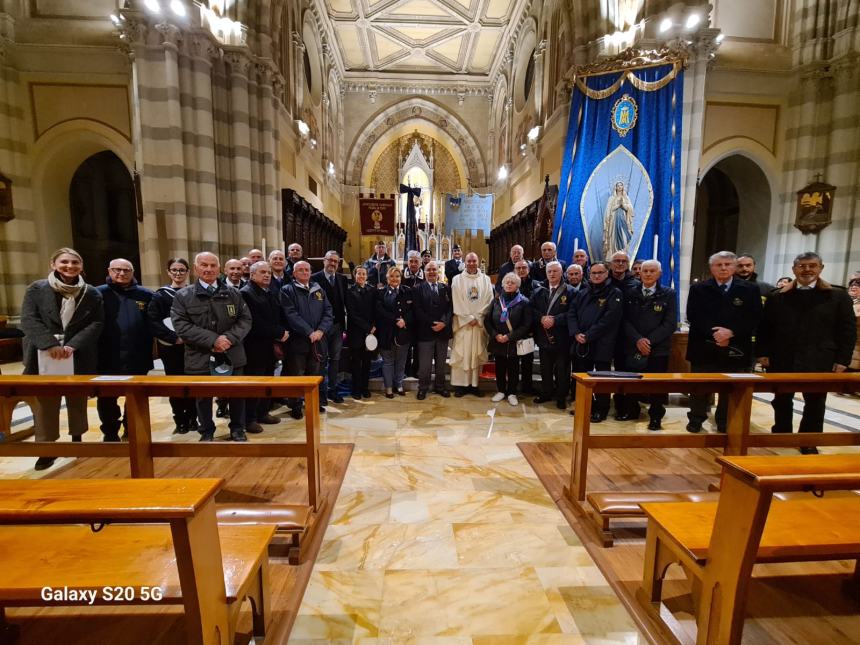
x=231 y=310
x=318 y=295
x=601 y=302
x=140 y=304
x=658 y=308
x=563 y=300
x=737 y=302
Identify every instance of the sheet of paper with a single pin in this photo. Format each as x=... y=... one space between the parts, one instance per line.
x=741 y=375
x=55 y=366
x=111 y=377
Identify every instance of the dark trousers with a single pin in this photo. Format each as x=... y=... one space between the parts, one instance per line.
x=587 y=364
x=526 y=372
x=331 y=362
x=184 y=408
x=237 y=411
x=432 y=352
x=813 y=412
x=623 y=404
x=507 y=373
x=700 y=404
x=656 y=402
x=110 y=415
x=412 y=360
x=301 y=365
x=263 y=365
x=360 y=367
x=554 y=372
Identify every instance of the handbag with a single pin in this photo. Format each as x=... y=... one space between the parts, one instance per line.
x=525 y=346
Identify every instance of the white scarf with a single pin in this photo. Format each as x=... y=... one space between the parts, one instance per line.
x=70 y=296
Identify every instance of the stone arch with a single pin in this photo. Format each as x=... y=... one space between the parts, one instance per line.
x=56 y=156
x=418 y=109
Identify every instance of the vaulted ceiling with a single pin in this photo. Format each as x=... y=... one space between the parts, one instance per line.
x=439 y=37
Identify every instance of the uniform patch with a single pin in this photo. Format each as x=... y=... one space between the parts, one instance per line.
x=601 y=302
x=737 y=302
x=140 y=304
x=231 y=310
x=658 y=308
x=318 y=295
x=563 y=300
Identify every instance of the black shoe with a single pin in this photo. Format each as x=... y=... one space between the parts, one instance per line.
x=459 y=392
x=477 y=392
x=356 y=395
x=694 y=427
x=111 y=438
x=322 y=409
x=421 y=395
x=296 y=413
x=389 y=395
x=43 y=463
x=365 y=394
x=598 y=417
x=222 y=411
x=207 y=436
x=443 y=393
x=654 y=424
x=76 y=438
x=253 y=427
x=400 y=392
x=269 y=420
x=804 y=450
x=337 y=398
x=542 y=399
x=238 y=435
x=181 y=429
x=573 y=412
x=624 y=416
x=561 y=404
x=193 y=426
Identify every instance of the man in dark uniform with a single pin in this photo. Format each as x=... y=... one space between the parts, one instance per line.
x=621 y=278
x=580 y=257
x=377 y=266
x=278 y=264
x=125 y=344
x=433 y=312
x=412 y=272
x=455 y=265
x=268 y=328
x=808 y=326
x=547 y=255
x=592 y=324
x=650 y=319
x=213 y=320
x=723 y=314
x=550 y=305
x=309 y=318
x=426 y=256
x=516 y=255
x=295 y=253
x=335 y=285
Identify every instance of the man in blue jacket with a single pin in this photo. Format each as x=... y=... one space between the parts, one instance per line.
x=309 y=319
x=125 y=344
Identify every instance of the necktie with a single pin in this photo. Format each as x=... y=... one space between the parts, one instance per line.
x=435 y=289
x=211 y=289
x=331 y=279
x=725 y=287
x=647 y=292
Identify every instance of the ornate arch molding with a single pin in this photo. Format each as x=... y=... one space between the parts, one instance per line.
x=415 y=108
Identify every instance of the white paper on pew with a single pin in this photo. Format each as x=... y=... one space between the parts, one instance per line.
x=49 y=366
x=111 y=377
x=741 y=375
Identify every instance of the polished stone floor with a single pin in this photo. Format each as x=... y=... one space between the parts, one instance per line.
x=442 y=533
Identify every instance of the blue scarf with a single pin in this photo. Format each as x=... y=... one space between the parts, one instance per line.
x=505 y=306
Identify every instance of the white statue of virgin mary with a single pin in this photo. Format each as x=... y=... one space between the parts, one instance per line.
x=617 y=222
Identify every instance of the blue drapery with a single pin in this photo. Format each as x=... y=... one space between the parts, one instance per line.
x=611 y=182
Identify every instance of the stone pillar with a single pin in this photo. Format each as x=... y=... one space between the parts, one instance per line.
x=239 y=65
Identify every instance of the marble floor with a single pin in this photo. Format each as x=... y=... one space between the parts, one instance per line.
x=442 y=532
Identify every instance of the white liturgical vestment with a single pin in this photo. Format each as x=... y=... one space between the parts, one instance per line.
x=472 y=294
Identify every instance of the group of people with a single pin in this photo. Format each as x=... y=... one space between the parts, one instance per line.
x=261 y=316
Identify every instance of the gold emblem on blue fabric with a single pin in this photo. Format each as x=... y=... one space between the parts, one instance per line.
x=624 y=115
x=318 y=295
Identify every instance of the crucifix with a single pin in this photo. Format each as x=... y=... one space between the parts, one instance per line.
x=411 y=221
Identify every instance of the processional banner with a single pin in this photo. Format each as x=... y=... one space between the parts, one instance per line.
x=377 y=215
x=620 y=185
x=468 y=212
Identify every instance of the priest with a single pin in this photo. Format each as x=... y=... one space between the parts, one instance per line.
x=472 y=293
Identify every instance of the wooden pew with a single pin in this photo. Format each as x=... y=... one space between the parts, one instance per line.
x=168 y=524
x=140 y=449
x=738 y=387
x=717 y=544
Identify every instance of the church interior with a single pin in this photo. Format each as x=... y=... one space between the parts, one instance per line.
x=152 y=130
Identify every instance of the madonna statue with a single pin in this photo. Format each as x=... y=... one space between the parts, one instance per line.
x=617 y=222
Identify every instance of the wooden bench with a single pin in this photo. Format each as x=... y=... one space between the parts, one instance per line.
x=736 y=441
x=141 y=450
x=717 y=544
x=290 y=521
x=155 y=534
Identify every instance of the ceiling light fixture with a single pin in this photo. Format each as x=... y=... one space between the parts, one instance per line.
x=503 y=173
x=534 y=133
x=331 y=169
x=152 y=5
x=313 y=143
x=665 y=25
x=304 y=128
x=178 y=8
x=114 y=19
x=720 y=38
x=692 y=20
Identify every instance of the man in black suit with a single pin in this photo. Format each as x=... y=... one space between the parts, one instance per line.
x=808 y=326
x=528 y=287
x=455 y=265
x=550 y=305
x=723 y=313
x=650 y=319
x=335 y=285
x=621 y=278
x=547 y=255
x=268 y=328
x=433 y=310
x=509 y=266
x=295 y=253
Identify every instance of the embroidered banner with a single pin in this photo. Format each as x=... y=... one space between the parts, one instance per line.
x=468 y=213
x=377 y=216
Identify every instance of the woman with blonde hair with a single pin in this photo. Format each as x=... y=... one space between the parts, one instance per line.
x=61 y=316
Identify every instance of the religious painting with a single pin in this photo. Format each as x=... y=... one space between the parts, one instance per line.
x=616 y=205
x=814 y=207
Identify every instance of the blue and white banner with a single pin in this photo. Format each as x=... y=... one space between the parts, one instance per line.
x=620 y=185
x=468 y=213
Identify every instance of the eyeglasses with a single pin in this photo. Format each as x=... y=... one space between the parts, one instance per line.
x=599 y=272
x=177 y=270
x=121 y=270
